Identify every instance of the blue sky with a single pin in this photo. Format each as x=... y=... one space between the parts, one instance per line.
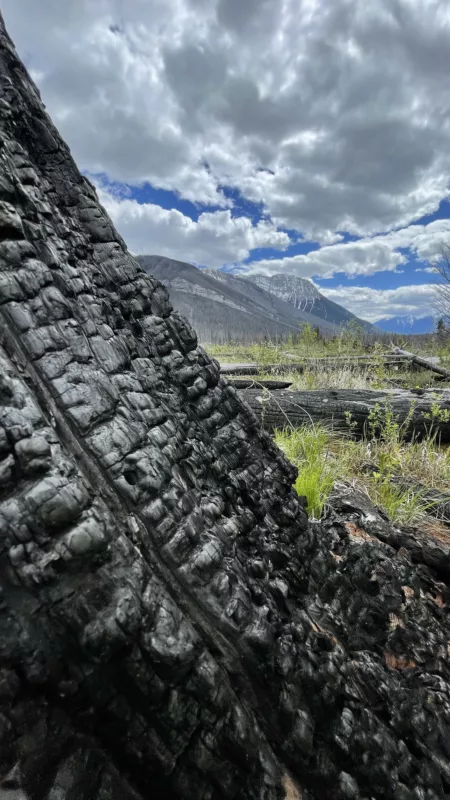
x=297 y=136
x=389 y=287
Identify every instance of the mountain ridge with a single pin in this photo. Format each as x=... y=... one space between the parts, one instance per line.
x=407 y=324
x=302 y=294
x=222 y=306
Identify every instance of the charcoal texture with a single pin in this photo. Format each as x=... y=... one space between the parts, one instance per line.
x=170 y=624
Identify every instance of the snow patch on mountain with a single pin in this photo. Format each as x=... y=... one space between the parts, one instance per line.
x=407 y=324
x=298 y=292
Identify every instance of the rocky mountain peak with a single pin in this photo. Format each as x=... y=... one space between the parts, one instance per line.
x=299 y=292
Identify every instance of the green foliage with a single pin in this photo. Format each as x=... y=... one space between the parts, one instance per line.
x=353 y=335
x=265 y=354
x=309 y=338
x=309 y=342
x=308 y=449
x=373 y=463
x=437 y=414
x=350 y=422
x=383 y=425
x=403 y=506
x=322 y=457
x=351 y=340
x=379 y=377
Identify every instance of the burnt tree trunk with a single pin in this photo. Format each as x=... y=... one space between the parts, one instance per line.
x=170 y=625
x=349 y=410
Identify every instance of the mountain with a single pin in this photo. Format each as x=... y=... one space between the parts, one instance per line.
x=407 y=324
x=304 y=296
x=221 y=306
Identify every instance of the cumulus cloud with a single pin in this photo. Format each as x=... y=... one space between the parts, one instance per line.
x=365 y=256
x=354 y=258
x=376 y=304
x=215 y=239
x=334 y=116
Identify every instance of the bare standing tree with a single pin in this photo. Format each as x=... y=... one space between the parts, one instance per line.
x=442 y=300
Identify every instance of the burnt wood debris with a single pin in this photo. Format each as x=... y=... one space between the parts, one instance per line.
x=426 y=363
x=171 y=626
x=322 y=362
x=418 y=411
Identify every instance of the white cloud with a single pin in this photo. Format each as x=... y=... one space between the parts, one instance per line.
x=333 y=115
x=354 y=258
x=365 y=256
x=375 y=304
x=215 y=239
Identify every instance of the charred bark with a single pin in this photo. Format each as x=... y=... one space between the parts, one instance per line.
x=420 y=411
x=170 y=626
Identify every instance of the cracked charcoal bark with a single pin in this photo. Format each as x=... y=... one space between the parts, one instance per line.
x=170 y=626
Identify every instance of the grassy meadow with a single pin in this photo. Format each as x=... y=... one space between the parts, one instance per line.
x=372 y=464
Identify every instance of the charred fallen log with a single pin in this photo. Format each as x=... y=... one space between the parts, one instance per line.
x=351 y=410
x=425 y=363
x=170 y=626
x=430 y=546
x=241 y=383
x=256 y=369
x=319 y=363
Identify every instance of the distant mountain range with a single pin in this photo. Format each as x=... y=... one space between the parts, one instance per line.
x=304 y=296
x=407 y=324
x=221 y=306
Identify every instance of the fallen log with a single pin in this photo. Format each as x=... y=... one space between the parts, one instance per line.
x=241 y=383
x=349 y=410
x=256 y=369
x=426 y=363
x=362 y=362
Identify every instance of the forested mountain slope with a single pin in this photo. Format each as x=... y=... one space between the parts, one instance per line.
x=222 y=306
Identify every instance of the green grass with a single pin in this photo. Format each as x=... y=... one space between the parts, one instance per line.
x=404 y=506
x=308 y=343
x=323 y=457
x=273 y=353
x=350 y=376
x=309 y=449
